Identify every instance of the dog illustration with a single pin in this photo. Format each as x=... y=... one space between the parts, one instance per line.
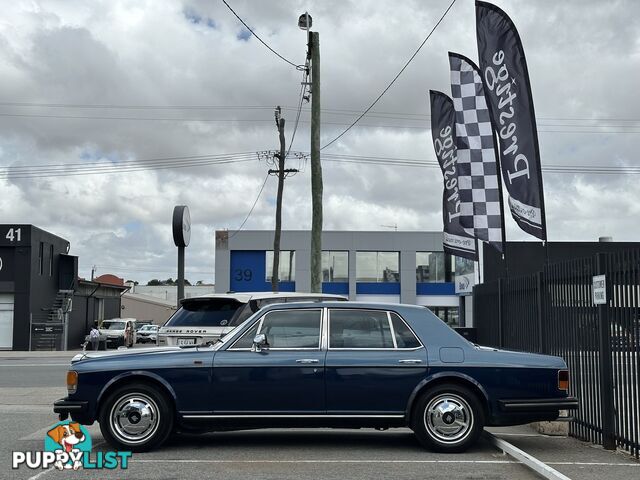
x=67 y=436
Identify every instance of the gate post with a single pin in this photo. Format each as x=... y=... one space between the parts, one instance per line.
x=500 y=312
x=606 y=373
x=540 y=305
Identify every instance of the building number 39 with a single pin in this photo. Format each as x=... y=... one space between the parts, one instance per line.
x=243 y=275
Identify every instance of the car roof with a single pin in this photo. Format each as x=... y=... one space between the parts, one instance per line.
x=344 y=305
x=245 y=297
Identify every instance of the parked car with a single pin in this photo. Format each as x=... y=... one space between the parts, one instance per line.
x=210 y=317
x=142 y=323
x=330 y=364
x=119 y=332
x=147 y=333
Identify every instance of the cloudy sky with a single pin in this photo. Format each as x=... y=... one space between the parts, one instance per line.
x=134 y=85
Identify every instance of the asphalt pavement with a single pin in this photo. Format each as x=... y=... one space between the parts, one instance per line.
x=29 y=383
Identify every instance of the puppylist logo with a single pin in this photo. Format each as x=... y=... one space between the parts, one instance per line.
x=67 y=445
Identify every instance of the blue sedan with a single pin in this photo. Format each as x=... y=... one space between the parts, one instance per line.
x=330 y=364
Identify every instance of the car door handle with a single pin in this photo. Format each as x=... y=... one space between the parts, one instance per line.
x=412 y=361
x=307 y=360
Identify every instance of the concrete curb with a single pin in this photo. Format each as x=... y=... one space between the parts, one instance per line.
x=527 y=460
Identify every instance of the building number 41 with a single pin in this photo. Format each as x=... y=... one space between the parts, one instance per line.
x=14 y=235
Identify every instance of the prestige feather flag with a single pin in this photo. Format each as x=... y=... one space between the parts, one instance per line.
x=479 y=183
x=456 y=241
x=508 y=91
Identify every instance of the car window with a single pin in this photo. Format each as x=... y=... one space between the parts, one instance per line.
x=210 y=312
x=292 y=328
x=359 y=329
x=243 y=313
x=246 y=341
x=115 y=326
x=404 y=336
x=285 y=329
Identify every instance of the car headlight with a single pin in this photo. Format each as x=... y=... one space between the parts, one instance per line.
x=72 y=381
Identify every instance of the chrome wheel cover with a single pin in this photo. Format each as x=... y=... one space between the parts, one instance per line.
x=134 y=418
x=448 y=418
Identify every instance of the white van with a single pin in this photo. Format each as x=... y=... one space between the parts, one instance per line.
x=209 y=317
x=119 y=332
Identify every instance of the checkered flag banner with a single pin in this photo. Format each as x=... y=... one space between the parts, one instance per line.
x=456 y=240
x=478 y=181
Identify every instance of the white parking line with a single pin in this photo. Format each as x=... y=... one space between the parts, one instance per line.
x=526 y=459
x=373 y=460
x=34 y=365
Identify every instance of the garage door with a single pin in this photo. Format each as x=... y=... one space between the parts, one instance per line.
x=6 y=321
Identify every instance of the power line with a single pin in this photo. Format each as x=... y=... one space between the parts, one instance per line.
x=252 y=207
x=114 y=170
x=330 y=111
x=409 y=162
x=394 y=79
x=256 y=35
x=303 y=89
x=120 y=106
x=255 y=120
x=132 y=161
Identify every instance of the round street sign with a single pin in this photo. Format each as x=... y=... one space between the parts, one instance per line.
x=181 y=226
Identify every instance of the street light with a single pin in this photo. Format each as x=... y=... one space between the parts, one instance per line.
x=305 y=21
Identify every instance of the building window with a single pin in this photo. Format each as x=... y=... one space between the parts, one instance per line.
x=434 y=267
x=463 y=266
x=378 y=267
x=41 y=259
x=448 y=315
x=287 y=265
x=335 y=266
x=51 y=260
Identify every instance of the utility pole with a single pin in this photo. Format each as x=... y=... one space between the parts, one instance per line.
x=276 y=237
x=282 y=173
x=316 y=167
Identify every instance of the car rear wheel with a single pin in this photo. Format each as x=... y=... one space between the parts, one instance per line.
x=448 y=418
x=136 y=418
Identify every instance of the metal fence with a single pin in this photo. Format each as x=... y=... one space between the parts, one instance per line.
x=553 y=312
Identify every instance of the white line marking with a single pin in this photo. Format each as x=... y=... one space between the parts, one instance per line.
x=338 y=461
x=38 y=475
x=597 y=464
x=35 y=365
x=527 y=460
x=159 y=460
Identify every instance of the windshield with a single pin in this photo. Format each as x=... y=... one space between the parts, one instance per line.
x=210 y=312
x=113 y=325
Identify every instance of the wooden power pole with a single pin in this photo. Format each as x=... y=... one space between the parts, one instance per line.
x=316 y=167
x=281 y=173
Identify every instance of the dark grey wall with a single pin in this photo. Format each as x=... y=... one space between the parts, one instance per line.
x=526 y=258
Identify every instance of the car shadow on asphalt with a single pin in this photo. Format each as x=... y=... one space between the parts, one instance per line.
x=287 y=439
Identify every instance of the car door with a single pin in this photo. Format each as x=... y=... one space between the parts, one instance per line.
x=285 y=378
x=374 y=361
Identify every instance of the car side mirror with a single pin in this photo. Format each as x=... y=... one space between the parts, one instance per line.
x=260 y=343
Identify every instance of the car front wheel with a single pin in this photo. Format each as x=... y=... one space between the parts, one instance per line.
x=448 y=418
x=136 y=418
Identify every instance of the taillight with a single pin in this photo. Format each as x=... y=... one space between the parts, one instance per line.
x=563 y=380
x=72 y=381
